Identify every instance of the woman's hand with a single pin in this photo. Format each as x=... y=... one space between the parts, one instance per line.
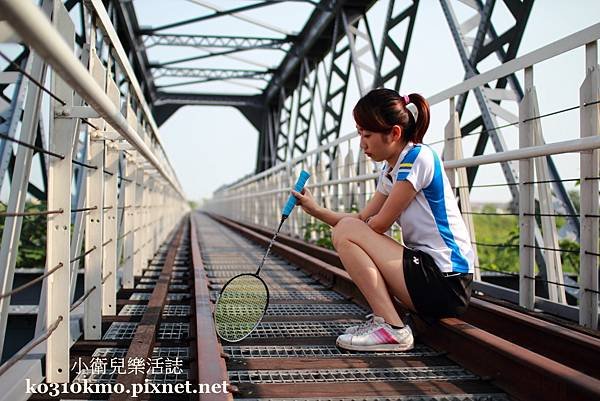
x=306 y=200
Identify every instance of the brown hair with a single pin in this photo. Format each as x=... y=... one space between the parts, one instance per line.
x=381 y=109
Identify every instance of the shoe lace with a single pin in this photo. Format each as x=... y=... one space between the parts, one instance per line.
x=368 y=318
x=368 y=325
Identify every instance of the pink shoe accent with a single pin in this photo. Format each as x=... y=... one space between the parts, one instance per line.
x=385 y=337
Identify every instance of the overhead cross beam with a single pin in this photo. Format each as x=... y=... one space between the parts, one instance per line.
x=228 y=42
x=208 y=73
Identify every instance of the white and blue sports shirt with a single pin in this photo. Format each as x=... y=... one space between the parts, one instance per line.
x=432 y=222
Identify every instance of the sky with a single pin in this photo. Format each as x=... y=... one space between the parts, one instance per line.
x=210 y=146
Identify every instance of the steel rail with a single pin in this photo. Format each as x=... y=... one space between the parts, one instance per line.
x=37 y=31
x=211 y=366
x=576 y=349
x=144 y=338
x=522 y=372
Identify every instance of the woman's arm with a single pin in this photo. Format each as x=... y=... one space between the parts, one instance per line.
x=306 y=200
x=400 y=197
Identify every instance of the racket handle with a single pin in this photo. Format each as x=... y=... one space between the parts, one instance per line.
x=291 y=202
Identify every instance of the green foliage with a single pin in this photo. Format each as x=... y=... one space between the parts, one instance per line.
x=497 y=230
x=570 y=260
x=322 y=232
x=32 y=245
x=504 y=230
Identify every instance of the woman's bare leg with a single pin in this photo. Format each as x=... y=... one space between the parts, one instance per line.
x=374 y=262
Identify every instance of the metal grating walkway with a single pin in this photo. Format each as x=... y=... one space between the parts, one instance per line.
x=292 y=353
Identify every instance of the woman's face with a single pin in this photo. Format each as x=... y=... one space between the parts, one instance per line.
x=376 y=145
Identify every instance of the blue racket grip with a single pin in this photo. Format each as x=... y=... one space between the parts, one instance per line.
x=291 y=202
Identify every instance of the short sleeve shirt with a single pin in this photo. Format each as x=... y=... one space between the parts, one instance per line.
x=432 y=222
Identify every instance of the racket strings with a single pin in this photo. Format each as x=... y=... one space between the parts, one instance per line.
x=240 y=307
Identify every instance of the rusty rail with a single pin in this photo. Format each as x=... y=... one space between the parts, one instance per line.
x=144 y=339
x=211 y=366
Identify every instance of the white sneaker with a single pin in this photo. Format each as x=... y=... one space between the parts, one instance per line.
x=356 y=328
x=379 y=337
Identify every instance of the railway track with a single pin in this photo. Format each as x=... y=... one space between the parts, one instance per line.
x=152 y=336
x=501 y=353
x=292 y=354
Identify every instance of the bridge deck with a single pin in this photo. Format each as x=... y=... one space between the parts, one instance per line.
x=292 y=353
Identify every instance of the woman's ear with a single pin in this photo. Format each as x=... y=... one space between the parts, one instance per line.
x=396 y=133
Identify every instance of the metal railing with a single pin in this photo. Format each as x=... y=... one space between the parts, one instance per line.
x=344 y=184
x=127 y=197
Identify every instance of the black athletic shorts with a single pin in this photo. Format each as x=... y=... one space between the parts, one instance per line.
x=433 y=293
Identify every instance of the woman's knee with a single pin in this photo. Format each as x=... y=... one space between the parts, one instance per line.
x=343 y=230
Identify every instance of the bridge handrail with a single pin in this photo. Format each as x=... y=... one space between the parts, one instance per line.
x=117 y=146
x=34 y=28
x=575 y=145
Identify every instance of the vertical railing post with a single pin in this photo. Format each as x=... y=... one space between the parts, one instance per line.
x=309 y=219
x=151 y=220
x=138 y=236
x=129 y=169
x=160 y=207
x=335 y=175
x=109 y=288
x=458 y=177
x=58 y=240
x=348 y=172
x=526 y=200
x=296 y=222
x=144 y=222
x=549 y=235
x=589 y=210
x=94 y=221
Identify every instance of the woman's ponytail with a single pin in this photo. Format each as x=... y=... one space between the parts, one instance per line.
x=415 y=131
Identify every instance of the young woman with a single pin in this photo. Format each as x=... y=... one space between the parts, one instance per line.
x=431 y=273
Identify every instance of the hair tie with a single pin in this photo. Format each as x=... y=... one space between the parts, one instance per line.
x=411 y=107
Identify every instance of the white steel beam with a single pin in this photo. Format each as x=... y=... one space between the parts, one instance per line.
x=94 y=222
x=138 y=231
x=109 y=266
x=58 y=241
x=458 y=177
x=128 y=220
x=590 y=171
x=526 y=200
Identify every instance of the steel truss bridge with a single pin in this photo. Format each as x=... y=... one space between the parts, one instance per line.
x=127 y=270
